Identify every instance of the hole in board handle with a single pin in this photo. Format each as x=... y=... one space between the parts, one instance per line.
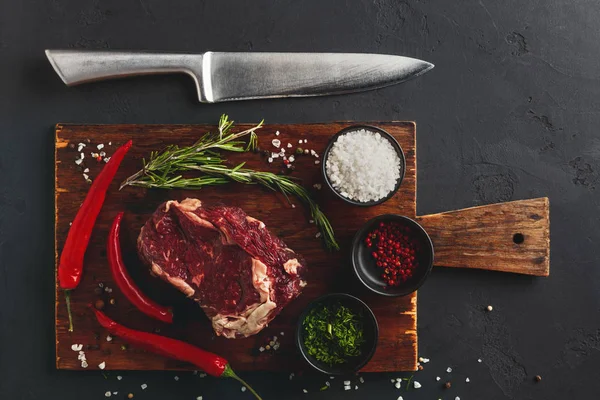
x=518 y=238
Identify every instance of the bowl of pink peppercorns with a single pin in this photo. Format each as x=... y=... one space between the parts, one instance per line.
x=392 y=255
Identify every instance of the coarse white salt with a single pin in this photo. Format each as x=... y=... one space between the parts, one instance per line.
x=202 y=375
x=86 y=176
x=102 y=365
x=277 y=133
x=305 y=391
x=355 y=387
x=361 y=379
x=479 y=360
x=282 y=333
x=398 y=384
x=317 y=161
x=109 y=338
x=243 y=388
x=119 y=377
x=110 y=143
x=347 y=387
x=437 y=378
x=107 y=394
x=82 y=156
x=300 y=141
x=86 y=170
x=199 y=398
x=76 y=347
x=425 y=360
x=289 y=145
x=143 y=386
x=291 y=376
x=457 y=398
x=346 y=383
x=392 y=380
x=417 y=385
x=84 y=364
x=399 y=398
x=292 y=158
x=107 y=159
x=261 y=349
x=327 y=384
x=363 y=166
x=448 y=370
x=467 y=380
x=270 y=159
x=332 y=377
x=318 y=235
x=276 y=142
x=80 y=147
x=100 y=146
x=274 y=155
x=176 y=377
x=78 y=161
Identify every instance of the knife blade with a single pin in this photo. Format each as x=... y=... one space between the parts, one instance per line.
x=222 y=76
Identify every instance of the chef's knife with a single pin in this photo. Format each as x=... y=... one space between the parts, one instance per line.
x=242 y=76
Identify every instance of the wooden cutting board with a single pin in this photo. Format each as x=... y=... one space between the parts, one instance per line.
x=482 y=237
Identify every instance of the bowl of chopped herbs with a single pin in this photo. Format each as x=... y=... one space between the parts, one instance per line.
x=337 y=334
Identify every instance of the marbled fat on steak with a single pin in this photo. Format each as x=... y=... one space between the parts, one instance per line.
x=239 y=273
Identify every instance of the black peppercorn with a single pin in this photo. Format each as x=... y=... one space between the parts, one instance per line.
x=538 y=378
x=448 y=385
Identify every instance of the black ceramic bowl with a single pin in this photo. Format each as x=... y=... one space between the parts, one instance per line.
x=369 y=273
x=386 y=136
x=371 y=334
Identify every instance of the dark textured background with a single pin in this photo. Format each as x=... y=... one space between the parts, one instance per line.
x=509 y=112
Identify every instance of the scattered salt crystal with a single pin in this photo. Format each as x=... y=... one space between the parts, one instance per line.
x=305 y=391
x=100 y=146
x=317 y=186
x=317 y=161
x=275 y=155
x=109 y=338
x=86 y=170
x=318 y=235
x=300 y=141
x=392 y=380
x=293 y=206
x=361 y=379
x=80 y=147
x=107 y=394
x=363 y=175
x=261 y=349
x=355 y=387
x=399 y=398
x=82 y=156
x=289 y=145
x=108 y=290
x=84 y=364
x=176 y=377
x=398 y=384
x=70 y=223
x=282 y=333
x=285 y=158
x=276 y=142
x=143 y=386
x=437 y=378
x=398 y=379
x=457 y=398
x=291 y=376
x=346 y=383
x=479 y=360
x=119 y=377
x=115 y=393
x=305 y=140
x=332 y=377
x=448 y=370
x=292 y=158
x=76 y=347
x=101 y=285
x=199 y=398
x=489 y=308
x=107 y=159
x=102 y=154
x=243 y=388
x=417 y=385
x=86 y=176
x=270 y=160
x=102 y=365
x=306 y=151
x=282 y=152
x=277 y=133
x=348 y=387
x=467 y=380
x=78 y=161
x=110 y=143
x=425 y=360
x=312 y=152
x=327 y=383
x=311 y=221
x=202 y=375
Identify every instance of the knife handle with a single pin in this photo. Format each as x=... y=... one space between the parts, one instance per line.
x=79 y=66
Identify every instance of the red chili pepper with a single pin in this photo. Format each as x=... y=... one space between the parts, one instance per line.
x=71 y=258
x=124 y=281
x=210 y=363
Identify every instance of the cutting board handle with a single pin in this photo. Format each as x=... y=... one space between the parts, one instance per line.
x=509 y=237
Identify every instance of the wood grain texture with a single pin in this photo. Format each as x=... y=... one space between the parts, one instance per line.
x=328 y=272
x=509 y=237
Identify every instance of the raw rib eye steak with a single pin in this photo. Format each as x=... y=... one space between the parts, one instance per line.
x=239 y=273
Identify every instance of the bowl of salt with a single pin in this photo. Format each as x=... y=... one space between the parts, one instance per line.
x=363 y=165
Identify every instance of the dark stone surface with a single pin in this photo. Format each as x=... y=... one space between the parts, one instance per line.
x=510 y=112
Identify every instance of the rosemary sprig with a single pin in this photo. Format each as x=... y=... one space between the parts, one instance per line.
x=163 y=171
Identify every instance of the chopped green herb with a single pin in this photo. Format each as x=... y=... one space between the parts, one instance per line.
x=333 y=334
